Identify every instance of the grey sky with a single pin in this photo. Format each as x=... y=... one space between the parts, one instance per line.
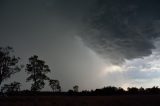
x=79 y=39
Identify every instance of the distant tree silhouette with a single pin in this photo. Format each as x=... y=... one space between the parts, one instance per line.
x=55 y=85
x=133 y=90
x=8 y=63
x=153 y=90
x=141 y=90
x=120 y=90
x=37 y=71
x=75 y=88
x=107 y=91
x=70 y=91
x=13 y=87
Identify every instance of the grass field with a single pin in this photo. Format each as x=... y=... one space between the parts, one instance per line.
x=81 y=101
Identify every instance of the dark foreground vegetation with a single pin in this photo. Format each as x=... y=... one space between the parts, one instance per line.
x=148 y=100
x=106 y=91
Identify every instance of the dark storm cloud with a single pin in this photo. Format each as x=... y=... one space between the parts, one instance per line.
x=114 y=29
x=122 y=29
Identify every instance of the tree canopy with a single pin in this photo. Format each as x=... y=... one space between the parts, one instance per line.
x=55 y=85
x=8 y=63
x=37 y=69
x=13 y=87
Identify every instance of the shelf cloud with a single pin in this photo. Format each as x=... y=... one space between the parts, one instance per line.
x=121 y=30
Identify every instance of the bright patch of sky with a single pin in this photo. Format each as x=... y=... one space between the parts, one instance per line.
x=140 y=72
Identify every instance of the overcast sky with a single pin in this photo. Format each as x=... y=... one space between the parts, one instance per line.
x=90 y=43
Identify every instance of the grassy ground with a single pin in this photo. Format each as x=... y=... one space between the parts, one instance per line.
x=81 y=101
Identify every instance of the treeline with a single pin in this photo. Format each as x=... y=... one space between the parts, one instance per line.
x=120 y=91
x=106 y=91
x=111 y=90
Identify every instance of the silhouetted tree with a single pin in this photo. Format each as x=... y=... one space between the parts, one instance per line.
x=120 y=90
x=13 y=87
x=8 y=63
x=70 y=91
x=107 y=91
x=153 y=90
x=37 y=71
x=141 y=90
x=75 y=88
x=55 y=85
x=133 y=90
